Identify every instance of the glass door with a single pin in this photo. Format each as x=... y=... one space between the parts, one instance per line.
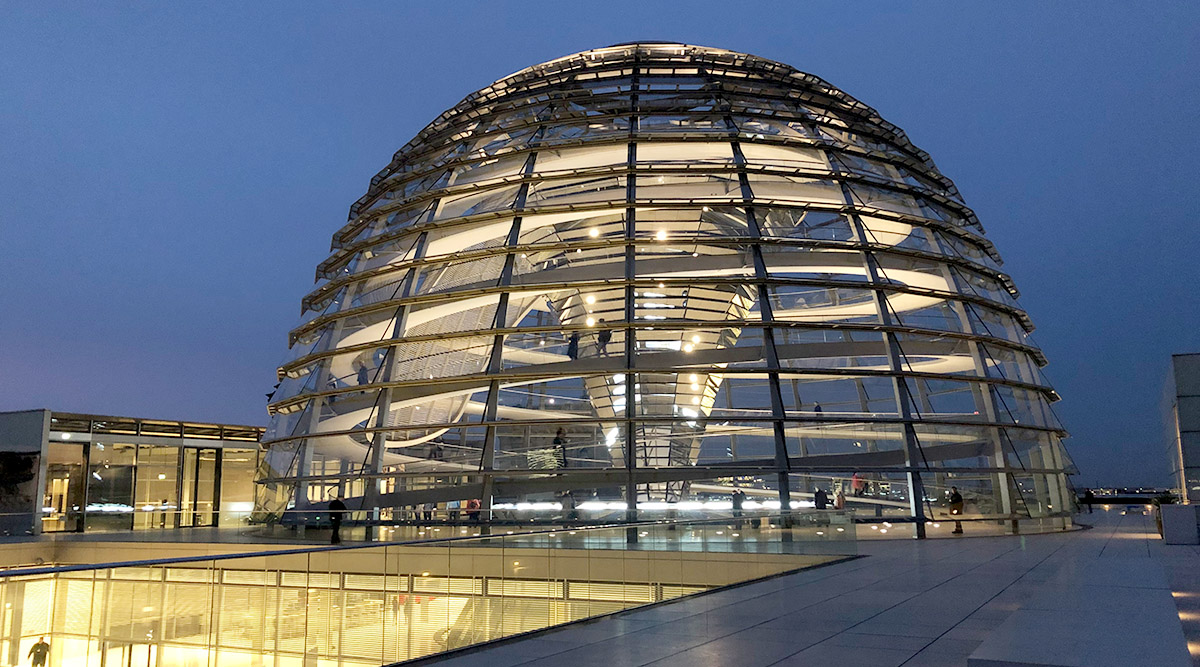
x=63 y=503
x=199 y=486
x=206 y=487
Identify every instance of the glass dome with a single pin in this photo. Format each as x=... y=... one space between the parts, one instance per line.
x=653 y=271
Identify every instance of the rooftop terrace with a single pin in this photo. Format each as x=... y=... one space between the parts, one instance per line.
x=930 y=603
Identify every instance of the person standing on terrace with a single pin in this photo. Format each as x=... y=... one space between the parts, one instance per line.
x=956 y=509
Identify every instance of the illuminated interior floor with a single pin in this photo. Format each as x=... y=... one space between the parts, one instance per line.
x=375 y=604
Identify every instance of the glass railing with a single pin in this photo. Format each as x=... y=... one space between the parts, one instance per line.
x=875 y=509
x=377 y=604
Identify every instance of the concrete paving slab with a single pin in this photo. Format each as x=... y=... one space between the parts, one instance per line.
x=914 y=603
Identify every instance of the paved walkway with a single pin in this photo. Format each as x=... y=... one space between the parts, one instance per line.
x=913 y=603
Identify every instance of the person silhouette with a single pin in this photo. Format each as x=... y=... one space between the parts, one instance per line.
x=39 y=652
x=956 y=509
x=337 y=510
x=560 y=444
x=821 y=499
x=602 y=340
x=573 y=345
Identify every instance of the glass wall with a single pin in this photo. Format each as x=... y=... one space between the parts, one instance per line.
x=108 y=473
x=110 y=486
x=157 y=487
x=238 y=467
x=788 y=285
x=371 y=605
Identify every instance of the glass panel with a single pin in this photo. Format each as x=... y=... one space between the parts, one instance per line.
x=924 y=312
x=581 y=265
x=689 y=187
x=887 y=200
x=612 y=127
x=682 y=124
x=572 y=227
x=497 y=199
x=550 y=446
x=661 y=224
x=156 y=496
x=928 y=354
x=795 y=189
x=736 y=442
x=487 y=170
x=590 y=157
x=680 y=259
x=784 y=156
x=715 y=347
x=996 y=324
x=800 y=347
x=110 y=486
x=456 y=239
x=801 y=223
x=359 y=329
x=453 y=315
x=804 y=303
x=960 y=400
x=754 y=127
x=946 y=446
x=393 y=221
x=1023 y=406
x=871 y=444
x=886 y=232
x=956 y=246
x=62 y=509
x=576 y=191
x=696 y=303
x=841 y=397
x=115 y=426
x=824 y=264
x=460 y=274
x=237 y=485
x=690 y=153
x=206 y=480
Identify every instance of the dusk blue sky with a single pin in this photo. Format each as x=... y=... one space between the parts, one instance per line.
x=171 y=173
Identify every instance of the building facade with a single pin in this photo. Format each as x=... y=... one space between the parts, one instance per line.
x=645 y=272
x=1181 y=421
x=67 y=472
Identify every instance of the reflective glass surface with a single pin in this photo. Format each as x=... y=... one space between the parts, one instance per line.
x=653 y=257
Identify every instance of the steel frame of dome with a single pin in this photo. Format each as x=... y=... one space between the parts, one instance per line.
x=699 y=264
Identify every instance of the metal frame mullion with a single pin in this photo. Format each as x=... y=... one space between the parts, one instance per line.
x=984 y=396
x=782 y=460
x=315 y=403
x=912 y=445
x=384 y=403
x=631 y=383
x=487 y=456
